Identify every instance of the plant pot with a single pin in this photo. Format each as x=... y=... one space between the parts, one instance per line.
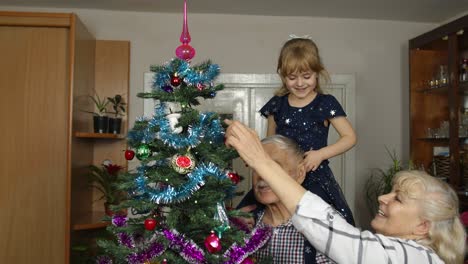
x=109 y=212
x=101 y=124
x=114 y=125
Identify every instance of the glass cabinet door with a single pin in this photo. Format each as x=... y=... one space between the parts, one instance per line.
x=439 y=101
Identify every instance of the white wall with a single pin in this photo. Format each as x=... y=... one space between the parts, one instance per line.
x=375 y=51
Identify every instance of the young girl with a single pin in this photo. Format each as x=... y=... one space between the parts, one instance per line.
x=301 y=111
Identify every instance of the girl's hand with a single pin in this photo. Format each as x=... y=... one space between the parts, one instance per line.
x=246 y=142
x=312 y=160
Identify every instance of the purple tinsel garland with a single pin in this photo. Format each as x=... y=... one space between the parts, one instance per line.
x=119 y=220
x=103 y=260
x=188 y=249
x=126 y=240
x=236 y=254
x=154 y=250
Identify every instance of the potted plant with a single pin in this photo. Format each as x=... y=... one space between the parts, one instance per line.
x=104 y=178
x=100 y=119
x=118 y=105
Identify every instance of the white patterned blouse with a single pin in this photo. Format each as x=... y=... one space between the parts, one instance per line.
x=329 y=233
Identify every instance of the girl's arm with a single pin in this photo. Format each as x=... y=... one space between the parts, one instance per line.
x=346 y=141
x=271 y=129
x=313 y=158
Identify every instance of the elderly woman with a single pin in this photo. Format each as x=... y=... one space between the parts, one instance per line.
x=286 y=245
x=417 y=222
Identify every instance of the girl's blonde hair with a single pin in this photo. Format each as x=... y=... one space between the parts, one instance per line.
x=299 y=55
x=439 y=206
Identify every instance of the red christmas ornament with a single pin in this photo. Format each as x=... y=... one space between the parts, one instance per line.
x=212 y=243
x=183 y=163
x=150 y=224
x=248 y=261
x=164 y=261
x=235 y=178
x=175 y=81
x=129 y=154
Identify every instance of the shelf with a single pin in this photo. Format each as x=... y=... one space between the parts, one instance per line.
x=434 y=139
x=92 y=220
x=99 y=135
x=439 y=89
x=444 y=89
x=440 y=139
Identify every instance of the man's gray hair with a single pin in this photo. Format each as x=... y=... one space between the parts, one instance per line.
x=284 y=143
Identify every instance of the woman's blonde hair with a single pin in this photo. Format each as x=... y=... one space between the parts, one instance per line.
x=439 y=204
x=299 y=55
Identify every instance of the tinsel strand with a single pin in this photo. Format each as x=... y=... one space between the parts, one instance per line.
x=172 y=195
x=187 y=248
x=236 y=254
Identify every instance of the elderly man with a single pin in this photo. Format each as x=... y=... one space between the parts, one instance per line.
x=287 y=245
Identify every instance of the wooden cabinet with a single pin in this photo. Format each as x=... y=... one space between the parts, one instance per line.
x=49 y=65
x=112 y=62
x=438 y=101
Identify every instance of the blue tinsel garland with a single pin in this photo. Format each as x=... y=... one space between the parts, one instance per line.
x=182 y=193
x=211 y=131
x=190 y=75
x=205 y=129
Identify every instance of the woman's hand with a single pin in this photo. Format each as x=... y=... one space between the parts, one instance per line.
x=246 y=142
x=312 y=160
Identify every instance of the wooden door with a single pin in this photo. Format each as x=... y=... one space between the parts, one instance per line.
x=33 y=159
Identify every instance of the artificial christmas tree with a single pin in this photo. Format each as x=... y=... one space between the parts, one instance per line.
x=177 y=193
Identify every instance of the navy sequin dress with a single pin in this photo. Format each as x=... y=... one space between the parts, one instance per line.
x=306 y=125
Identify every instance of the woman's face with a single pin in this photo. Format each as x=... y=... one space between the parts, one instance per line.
x=301 y=85
x=398 y=215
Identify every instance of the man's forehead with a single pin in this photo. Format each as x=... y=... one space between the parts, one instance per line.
x=276 y=152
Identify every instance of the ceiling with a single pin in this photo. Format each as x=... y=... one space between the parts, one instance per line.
x=432 y=11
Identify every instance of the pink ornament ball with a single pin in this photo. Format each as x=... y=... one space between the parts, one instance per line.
x=185 y=52
x=248 y=261
x=212 y=243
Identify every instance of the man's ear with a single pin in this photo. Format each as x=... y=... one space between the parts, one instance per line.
x=301 y=173
x=422 y=229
